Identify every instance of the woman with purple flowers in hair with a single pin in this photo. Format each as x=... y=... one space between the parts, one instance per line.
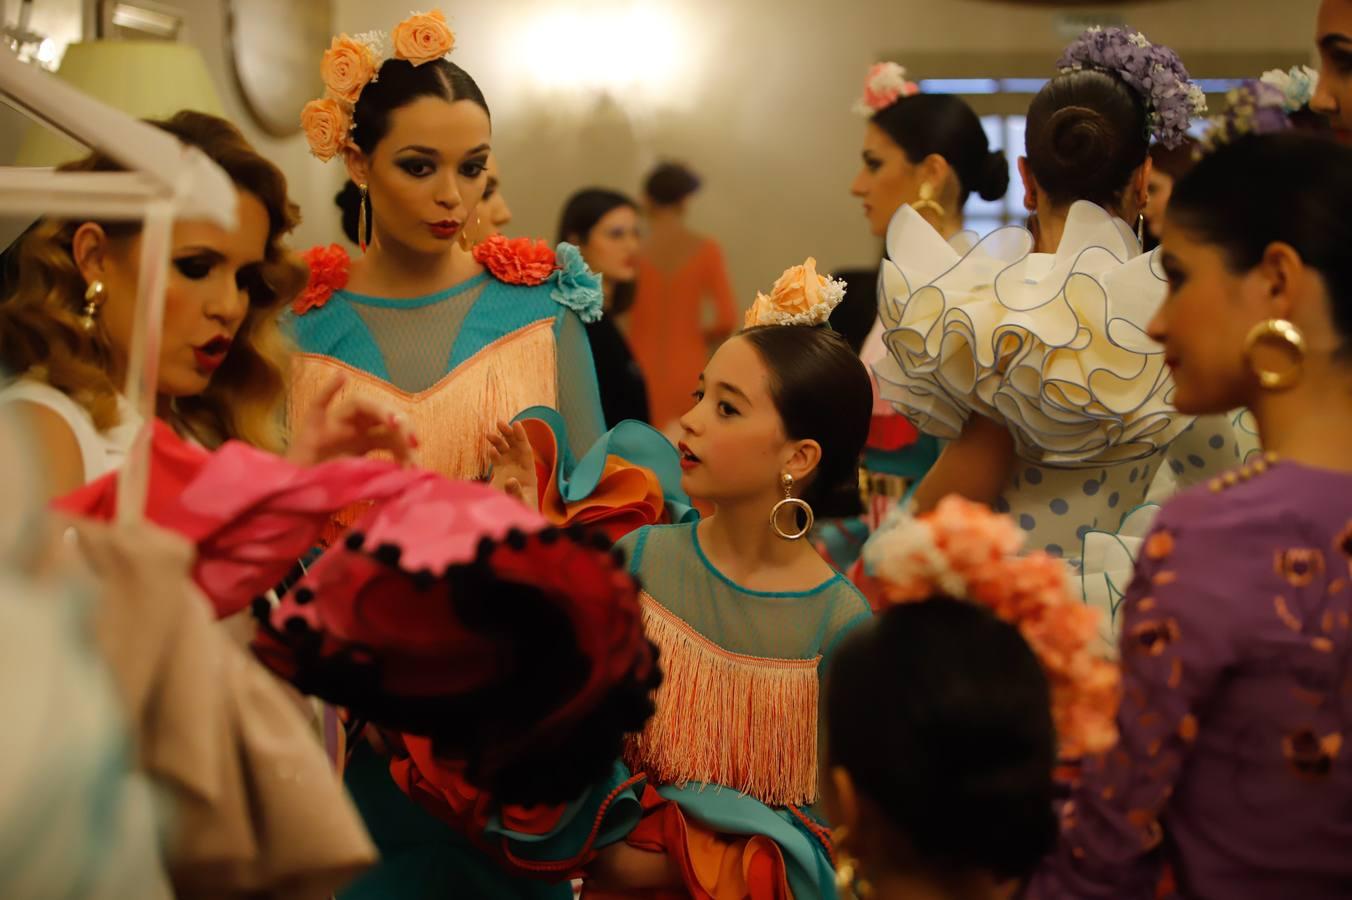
x=1231 y=773
x=1028 y=354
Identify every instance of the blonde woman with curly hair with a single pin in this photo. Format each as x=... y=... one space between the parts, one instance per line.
x=66 y=325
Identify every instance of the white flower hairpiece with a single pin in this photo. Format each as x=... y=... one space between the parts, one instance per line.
x=1297 y=85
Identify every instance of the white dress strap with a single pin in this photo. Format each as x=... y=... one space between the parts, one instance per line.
x=101 y=452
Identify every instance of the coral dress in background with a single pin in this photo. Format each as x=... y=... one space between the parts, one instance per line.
x=666 y=330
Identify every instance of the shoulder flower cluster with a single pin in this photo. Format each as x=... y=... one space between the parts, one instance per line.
x=965 y=551
x=516 y=261
x=330 y=269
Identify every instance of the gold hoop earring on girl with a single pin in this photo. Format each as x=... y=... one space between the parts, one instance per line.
x=793 y=503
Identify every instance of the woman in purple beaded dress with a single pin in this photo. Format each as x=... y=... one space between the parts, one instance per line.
x=1231 y=778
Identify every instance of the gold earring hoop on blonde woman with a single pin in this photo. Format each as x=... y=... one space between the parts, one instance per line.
x=94 y=296
x=1281 y=332
x=794 y=503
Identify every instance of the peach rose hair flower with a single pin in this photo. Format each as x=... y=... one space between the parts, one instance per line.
x=799 y=297
x=347 y=67
x=352 y=62
x=423 y=37
x=965 y=551
x=326 y=124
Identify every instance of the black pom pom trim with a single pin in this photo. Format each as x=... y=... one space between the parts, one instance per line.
x=304 y=596
x=516 y=539
x=296 y=625
x=423 y=580
x=389 y=554
x=355 y=541
x=549 y=536
x=484 y=550
x=262 y=608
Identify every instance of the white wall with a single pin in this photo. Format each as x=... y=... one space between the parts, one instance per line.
x=765 y=115
x=762 y=110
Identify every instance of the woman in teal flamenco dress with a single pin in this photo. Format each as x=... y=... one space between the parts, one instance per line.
x=455 y=337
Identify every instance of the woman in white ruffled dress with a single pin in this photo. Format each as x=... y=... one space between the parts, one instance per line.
x=1028 y=354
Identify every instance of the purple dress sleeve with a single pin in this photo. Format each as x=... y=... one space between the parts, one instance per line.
x=1176 y=642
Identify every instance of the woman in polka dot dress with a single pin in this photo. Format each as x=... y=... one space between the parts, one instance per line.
x=1029 y=354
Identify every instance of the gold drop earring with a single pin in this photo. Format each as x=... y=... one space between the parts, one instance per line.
x=361 y=217
x=94 y=296
x=465 y=240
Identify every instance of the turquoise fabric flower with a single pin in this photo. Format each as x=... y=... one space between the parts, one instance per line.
x=576 y=286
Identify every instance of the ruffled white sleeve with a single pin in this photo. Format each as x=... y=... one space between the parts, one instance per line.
x=1054 y=346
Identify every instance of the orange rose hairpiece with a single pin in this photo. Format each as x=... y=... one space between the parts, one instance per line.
x=967 y=552
x=799 y=297
x=352 y=62
x=423 y=37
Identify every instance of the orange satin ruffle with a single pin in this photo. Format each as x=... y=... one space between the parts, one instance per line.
x=626 y=497
x=714 y=866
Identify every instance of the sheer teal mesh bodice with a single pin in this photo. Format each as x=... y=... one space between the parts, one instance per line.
x=413 y=343
x=780 y=625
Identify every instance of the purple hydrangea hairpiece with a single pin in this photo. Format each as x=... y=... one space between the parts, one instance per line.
x=1155 y=72
x=1254 y=107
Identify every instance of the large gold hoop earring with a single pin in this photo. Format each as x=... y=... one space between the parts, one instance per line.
x=94 y=296
x=794 y=503
x=361 y=217
x=1284 y=332
x=927 y=202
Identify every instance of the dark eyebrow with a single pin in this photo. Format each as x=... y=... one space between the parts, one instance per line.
x=416 y=148
x=723 y=385
x=482 y=148
x=198 y=250
x=1167 y=259
x=1331 y=41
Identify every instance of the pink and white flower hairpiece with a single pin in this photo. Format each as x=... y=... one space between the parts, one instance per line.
x=967 y=552
x=885 y=85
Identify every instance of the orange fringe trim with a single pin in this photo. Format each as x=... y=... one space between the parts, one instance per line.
x=452 y=417
x=740 y=722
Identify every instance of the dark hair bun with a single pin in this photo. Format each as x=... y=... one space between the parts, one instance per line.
x=1087 y=133
x=348 y=201
x=993 y=180
x=959 y=754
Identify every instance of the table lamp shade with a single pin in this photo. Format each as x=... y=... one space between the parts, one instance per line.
x=145 y=79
